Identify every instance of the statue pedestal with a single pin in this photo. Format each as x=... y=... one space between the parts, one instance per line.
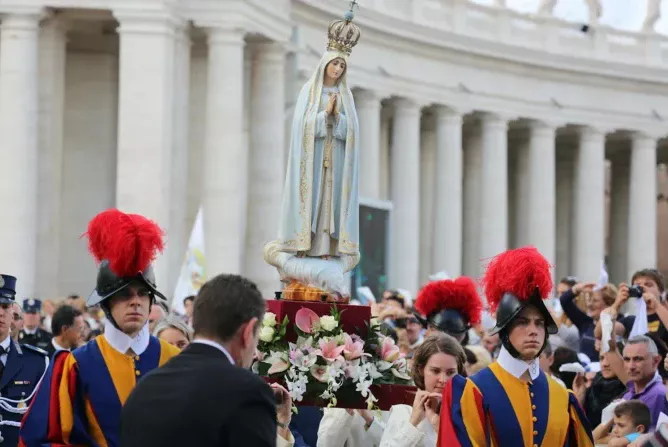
x=387 y=395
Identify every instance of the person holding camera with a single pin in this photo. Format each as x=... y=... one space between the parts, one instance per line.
x=648 y=285
x=206 y=396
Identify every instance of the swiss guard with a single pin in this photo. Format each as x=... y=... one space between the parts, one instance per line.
x=450 y=306
x=32 y=334
x=84 y=390
x=512 y=402
x=21 y=369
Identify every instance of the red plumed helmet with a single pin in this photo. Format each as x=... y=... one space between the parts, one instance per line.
x=129 y=242
x=459 y=295
x=522 y=272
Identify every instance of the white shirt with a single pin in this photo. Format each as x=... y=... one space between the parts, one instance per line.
x=5 y=345
x=518 y=367
x=29 y=331
x=57 y=346
x=122 y=342
x=217 y=346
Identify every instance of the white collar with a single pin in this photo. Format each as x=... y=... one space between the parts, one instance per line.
x=418 y=342
x=517 y=367
x=57 y=346
x=6 y=342
x=122 y=342
x=30 y=331
x=216 y=345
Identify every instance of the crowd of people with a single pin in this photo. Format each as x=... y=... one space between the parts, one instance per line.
x=519 y=368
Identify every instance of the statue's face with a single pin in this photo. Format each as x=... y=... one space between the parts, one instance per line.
x=335 y=68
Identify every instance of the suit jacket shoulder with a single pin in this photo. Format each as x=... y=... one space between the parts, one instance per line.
x=33 y=350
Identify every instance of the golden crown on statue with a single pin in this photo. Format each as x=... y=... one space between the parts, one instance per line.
x=343 y=34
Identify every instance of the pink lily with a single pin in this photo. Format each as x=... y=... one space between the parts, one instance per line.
x=329 y=350
x=278 y=362
x=389 y=351
x=305 y=319
x=352 y=349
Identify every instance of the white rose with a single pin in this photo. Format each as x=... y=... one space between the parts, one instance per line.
x=269 y=319
x=328 y=322
x=267 y=334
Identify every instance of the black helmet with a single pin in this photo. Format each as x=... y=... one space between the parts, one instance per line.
x=450 y=306
x=514 y=280
x=108 y=283
x=510 y=306
x=124 y=245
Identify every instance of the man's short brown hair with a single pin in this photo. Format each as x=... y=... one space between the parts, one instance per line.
x=652 y=274
x=223 y=304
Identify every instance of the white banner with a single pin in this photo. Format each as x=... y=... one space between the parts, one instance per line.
x=193 y=271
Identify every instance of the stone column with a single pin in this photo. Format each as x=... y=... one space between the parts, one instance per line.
x=542 y=190
x=494 y=199
x=564 y=206
x=588 y=243
x=179 y=230
x=642 y=236
x=404 y=251
x=224 y=194
x=471 y=265
x=619 y=217
x=267 y=161
x=146 y=120
x=449 y=187
x=386 y=118
x=368 y=111
x=19 y=89
x=52 y=49
x=428 y=194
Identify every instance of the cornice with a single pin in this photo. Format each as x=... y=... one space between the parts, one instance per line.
x=252 y=16
x=405 y=36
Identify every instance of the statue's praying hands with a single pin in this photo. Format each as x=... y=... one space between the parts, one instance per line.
x=331 y=105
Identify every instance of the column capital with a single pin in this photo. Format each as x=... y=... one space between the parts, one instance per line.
x=406 y=106
x=448 y=113
x=146 y=22
x=588 y=133
x=22 y=17
x=229 y=35
x=642 y=138
x=56 y=23
x=269 y=51
x=183 y=30
x=543 y=128
x=494 y=120
x=365 y=98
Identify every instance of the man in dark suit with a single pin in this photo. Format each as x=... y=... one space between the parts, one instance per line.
x=32 y=334
x=206 y=396
x=68 y=329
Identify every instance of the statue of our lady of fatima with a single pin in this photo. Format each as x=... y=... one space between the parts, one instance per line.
x=318 y=238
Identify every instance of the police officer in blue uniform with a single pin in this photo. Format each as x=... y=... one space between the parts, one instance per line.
x=22 y=368
x=32 y=334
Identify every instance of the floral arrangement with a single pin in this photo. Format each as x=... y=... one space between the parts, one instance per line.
x=325 y=361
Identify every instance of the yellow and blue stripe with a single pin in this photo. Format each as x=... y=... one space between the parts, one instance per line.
x=82 y=395
x=493 y=408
